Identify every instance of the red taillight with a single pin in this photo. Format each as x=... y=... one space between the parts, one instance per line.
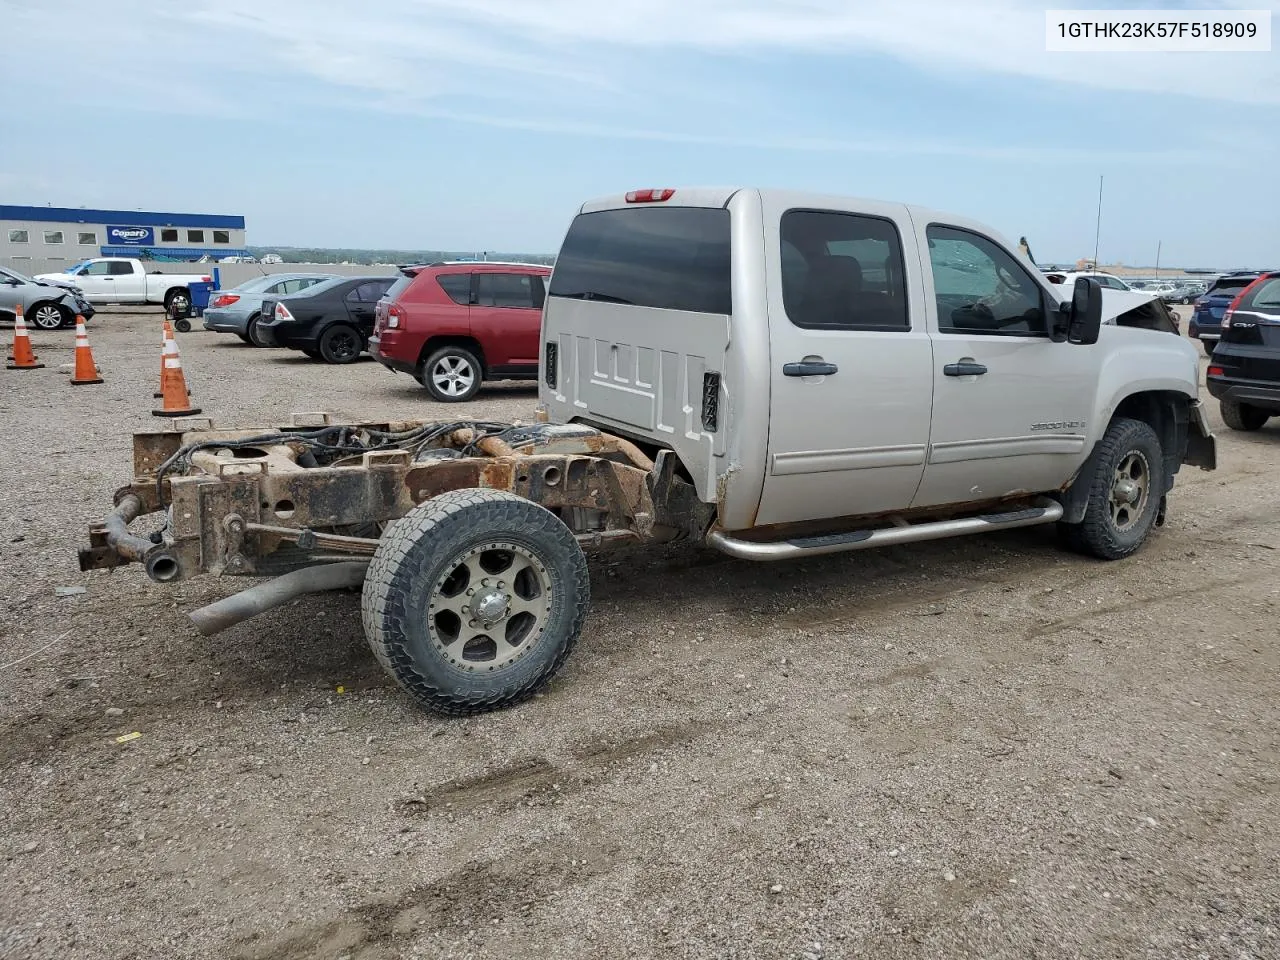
x=1215 y=372
x=224 y=300
x=394 y=313
x=650 y=196
x=1226 y=317
x=282 y=312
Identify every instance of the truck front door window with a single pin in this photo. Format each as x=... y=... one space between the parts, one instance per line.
x=981 y=289
x=99 y=269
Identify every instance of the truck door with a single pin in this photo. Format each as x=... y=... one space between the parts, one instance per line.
x=850 y=370
x=130 y=281
x=95 y=280
x=1010 y=406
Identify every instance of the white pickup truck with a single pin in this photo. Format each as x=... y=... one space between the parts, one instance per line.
x=125 y=280
x=775 y=375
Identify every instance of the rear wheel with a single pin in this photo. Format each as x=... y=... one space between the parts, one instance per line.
x=177 y=301
x=1241 y=416
x=50 y=316
x=1124 y=494
x=474 y=599
x=250 y=334
x=451 y=374
x=340 y=344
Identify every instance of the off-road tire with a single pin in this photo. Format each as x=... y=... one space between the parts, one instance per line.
x=465 y=359
x=334 y=342
x=1098 y=534
x=1242 y=416
x=417 y=554
x=50 y=316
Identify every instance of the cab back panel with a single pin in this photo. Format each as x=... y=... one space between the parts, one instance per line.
x=639 y=307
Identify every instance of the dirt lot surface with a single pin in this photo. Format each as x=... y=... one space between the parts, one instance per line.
x=973 y=748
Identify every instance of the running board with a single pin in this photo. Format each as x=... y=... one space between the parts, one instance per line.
x=1044 y=511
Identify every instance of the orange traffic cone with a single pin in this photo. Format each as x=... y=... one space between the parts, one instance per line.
x=177 y=398
x=24 y=358
x=86 y=371
x=165 y=334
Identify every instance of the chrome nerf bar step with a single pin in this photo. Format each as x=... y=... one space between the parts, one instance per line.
x=1044 y=510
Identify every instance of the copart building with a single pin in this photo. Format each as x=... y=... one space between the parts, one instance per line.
x=74 y=233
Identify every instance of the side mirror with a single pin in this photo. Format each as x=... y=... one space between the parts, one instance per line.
x=1085 y=320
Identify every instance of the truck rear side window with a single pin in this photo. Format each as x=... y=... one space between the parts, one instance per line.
x=842 y=271
x=670 y=258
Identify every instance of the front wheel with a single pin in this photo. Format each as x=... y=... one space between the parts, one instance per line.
x=1241 y=416
x=340 y=344
x=474 y=600
x=51 y=316
x=451 y=374
x=1125 y=493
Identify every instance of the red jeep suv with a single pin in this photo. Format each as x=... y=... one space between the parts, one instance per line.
x=453 y=325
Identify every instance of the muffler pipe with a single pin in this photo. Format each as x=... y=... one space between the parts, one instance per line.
x=249 y=603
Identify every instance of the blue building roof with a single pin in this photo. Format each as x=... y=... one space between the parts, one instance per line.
x=123 y=218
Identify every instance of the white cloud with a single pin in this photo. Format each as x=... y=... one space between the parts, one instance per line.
x=392 y=44
x=566 y=58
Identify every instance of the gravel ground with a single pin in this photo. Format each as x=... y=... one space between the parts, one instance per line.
x=971 y=748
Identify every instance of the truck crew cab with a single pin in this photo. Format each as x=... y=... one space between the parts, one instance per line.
x=773 y=374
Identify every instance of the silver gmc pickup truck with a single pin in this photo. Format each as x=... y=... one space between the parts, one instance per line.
x=773 y=374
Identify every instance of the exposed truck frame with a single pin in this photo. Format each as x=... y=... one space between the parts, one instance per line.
x=307 y=503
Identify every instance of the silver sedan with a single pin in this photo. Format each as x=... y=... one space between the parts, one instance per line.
x=237 y=310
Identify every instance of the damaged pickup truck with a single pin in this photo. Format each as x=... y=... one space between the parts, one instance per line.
x=772 y=374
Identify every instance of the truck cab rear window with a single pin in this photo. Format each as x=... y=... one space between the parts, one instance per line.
x=670 y=258
x=842 y=271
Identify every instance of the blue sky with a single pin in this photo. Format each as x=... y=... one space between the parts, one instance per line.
x=482 y=124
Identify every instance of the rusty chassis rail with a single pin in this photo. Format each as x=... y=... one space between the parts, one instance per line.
x=269 y=502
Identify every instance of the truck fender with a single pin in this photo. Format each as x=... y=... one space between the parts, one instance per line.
x=1169 y=412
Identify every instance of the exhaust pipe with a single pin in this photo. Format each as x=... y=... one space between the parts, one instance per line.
x=249 y=603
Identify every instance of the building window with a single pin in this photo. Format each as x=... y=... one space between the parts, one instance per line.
x=222 y=236
x=18 y=236
x=87 y=239
x=195 y=236
x=53 y=236
x=168 y=236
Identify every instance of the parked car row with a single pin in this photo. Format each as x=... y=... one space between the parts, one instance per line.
x=1244 y=365
x=450 y=325
x=1206 y=320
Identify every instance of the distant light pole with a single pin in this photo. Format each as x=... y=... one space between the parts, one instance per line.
x=1159 y=244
